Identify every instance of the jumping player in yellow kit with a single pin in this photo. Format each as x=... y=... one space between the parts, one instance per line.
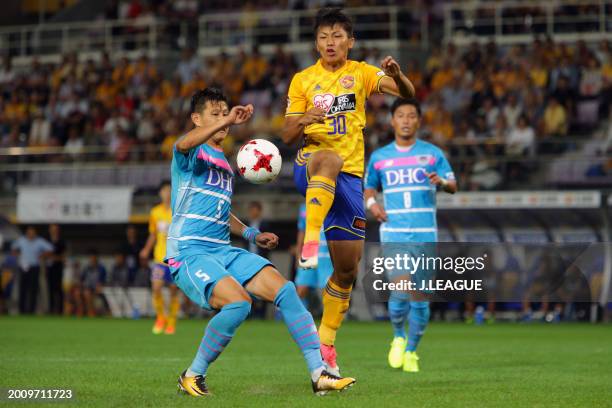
x=326 y=106
x=159 y=221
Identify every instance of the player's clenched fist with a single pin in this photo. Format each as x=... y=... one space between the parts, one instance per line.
x=435 y=179
x=379 y=212
x=390 y=67
x=314 y=115
x=267 y=240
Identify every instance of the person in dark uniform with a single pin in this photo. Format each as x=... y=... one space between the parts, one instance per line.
x=55 y=270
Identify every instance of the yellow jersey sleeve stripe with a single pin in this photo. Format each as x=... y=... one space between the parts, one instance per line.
x=378 y=82
x=294 y=113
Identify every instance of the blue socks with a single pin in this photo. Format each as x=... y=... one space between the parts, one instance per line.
x=398 y=312
x=301 y=327
x=418 y=317
x=222 y=327
x=417 y=314
x=218 y=334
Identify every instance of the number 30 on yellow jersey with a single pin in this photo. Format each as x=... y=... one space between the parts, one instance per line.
x=338 y=125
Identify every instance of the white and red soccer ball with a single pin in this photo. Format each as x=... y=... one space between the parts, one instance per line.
x=259 y=161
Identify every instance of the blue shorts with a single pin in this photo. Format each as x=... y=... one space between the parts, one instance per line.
x=197 y=273
x=161 y=272
x=424 y=272
x=315 y=278
x=346 y=218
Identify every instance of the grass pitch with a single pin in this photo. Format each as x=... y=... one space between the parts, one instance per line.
x=119 y=363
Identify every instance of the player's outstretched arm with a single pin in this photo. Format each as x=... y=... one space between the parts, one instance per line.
x=200 y=134
x=294 y=126
x=396 y=83
x=377 y=210
x=266 y=240
x=237 y=227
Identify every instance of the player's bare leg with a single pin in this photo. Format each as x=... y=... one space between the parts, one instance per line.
x=345 y=257
x=227 y=291
x=269 y=285
x=323 y=169
x=234 y=305
x=302 y=291
x=158 y=306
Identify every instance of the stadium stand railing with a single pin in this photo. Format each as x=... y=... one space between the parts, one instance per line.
x=95 y=165
x=210 y=34
x=49 y=41
x=388 y=24
x=517 y=22
x=513 y=22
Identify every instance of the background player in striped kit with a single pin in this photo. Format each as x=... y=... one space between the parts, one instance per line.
x=207 y=268
x=409 y=171
x=307 y=279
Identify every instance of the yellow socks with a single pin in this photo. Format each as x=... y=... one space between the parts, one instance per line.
x=335 y=304
x=158 y=305
x=175 y=305
x=319 y=198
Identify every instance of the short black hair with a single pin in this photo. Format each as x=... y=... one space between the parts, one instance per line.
x=329 y=16
x=163 y=184
x=406 y=101
x=199 y=98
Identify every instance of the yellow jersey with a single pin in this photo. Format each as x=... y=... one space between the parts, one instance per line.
x=342 y=95
x=159 y=221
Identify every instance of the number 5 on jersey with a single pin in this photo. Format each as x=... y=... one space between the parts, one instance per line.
x=202 y=275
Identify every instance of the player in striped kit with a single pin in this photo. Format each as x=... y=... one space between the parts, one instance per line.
x=409 y=171
x=207 y=268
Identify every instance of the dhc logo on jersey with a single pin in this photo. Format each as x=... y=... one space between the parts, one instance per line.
x=416 y=175
x=221 y=179
x=335 y=104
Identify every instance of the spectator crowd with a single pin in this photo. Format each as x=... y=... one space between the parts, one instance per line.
x=479 y=103
x=74 y=285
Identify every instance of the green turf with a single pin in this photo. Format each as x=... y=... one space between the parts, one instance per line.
x=113 y=363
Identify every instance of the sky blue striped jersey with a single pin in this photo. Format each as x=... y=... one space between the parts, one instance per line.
x=202 y=184
x=409 y=197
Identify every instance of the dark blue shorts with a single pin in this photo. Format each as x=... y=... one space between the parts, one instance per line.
x=346 y=218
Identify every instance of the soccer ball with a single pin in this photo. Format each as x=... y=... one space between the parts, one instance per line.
x=259 y=161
